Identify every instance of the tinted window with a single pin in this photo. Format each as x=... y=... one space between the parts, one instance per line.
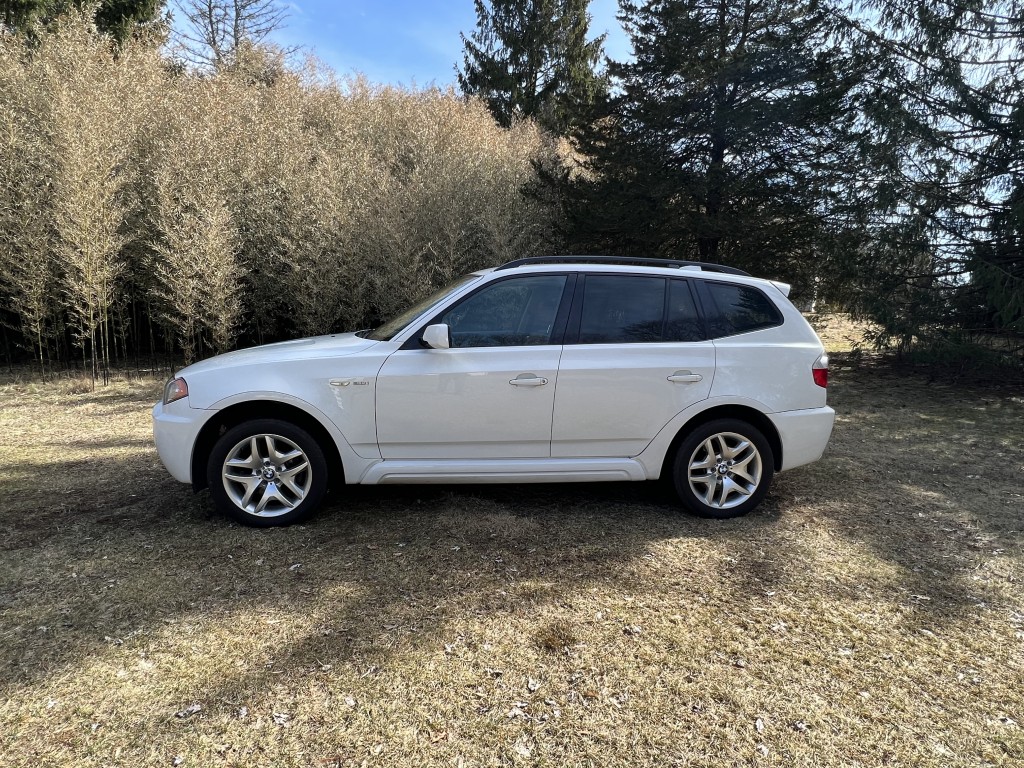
x=622 y=309
x=510 y=313
x=391 y=328
x=741 y=309
x=683 y=322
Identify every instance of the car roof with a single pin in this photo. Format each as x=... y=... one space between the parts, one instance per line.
x=634 y=261
x=633 y=266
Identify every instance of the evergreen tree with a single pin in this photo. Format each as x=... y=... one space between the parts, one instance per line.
x=946 y=127
x=728 y=137
x=118 y=18
x=16 y=14
x=997 y=264
x=997 y=271
x=531 y=58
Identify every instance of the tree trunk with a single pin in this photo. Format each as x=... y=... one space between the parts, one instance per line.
x=710 y=233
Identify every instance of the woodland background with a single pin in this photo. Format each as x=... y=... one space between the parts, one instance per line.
x=168 y=192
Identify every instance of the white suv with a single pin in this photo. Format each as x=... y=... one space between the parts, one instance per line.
x=562 y=369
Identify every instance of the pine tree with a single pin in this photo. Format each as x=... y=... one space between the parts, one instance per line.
x=726 y=138
x=531 y=58
x=118 y=18
x=16 y=13
x=997 y=270
x=944 y=113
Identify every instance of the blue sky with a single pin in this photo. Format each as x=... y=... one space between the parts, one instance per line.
x=404 y=41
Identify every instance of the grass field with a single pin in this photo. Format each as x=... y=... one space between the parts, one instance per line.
x=870 y=613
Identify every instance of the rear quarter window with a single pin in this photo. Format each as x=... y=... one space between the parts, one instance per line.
x=739 y=309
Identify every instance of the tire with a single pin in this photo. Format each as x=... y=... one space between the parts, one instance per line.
x=723 y=469
x=267 y=472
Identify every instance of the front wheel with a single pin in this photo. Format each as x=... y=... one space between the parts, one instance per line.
x=267 y=472
x=723 y=469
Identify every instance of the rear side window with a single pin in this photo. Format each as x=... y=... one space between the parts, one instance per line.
x=619 y=309
x=741 y=308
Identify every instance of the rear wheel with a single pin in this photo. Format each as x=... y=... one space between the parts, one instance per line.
x=723 y=469
x=267 y=472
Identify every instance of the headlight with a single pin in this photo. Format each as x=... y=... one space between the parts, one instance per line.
x=175 y=390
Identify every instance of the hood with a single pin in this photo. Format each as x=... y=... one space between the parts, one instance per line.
x=334 y=345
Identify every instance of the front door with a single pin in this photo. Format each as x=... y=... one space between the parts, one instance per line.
x=490 y=395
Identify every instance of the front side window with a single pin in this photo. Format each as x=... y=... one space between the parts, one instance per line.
x=741 y=308
x=511 y=313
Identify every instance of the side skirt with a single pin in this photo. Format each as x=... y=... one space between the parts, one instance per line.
x=396 y=471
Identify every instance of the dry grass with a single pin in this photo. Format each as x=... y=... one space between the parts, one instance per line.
x=869 y=614
x=841 y=333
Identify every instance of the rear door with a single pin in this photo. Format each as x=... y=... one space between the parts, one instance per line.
x=636 y=354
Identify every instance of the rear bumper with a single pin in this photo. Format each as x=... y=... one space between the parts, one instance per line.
x=175 y=428
x=804 y=434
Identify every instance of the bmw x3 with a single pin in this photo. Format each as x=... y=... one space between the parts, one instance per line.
x=561 y=369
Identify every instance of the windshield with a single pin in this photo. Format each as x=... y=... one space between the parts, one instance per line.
x=392 y=327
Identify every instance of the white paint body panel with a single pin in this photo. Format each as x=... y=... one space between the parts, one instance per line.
x=771 y=365
x=459 y=403
x=605 y=411
x=175 y=427
x=503 y=471
x=300 y=373
x=612 y=399
x=653 y=456
x=804 y=434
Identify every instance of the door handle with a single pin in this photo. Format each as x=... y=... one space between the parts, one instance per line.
x=528 y=380
x=685 y=377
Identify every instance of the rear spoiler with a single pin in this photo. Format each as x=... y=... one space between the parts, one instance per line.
x=785 y=288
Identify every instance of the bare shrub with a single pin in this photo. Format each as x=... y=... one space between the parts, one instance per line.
x=87 y=98
x=28 y=275
x=451 y=194
x=195 y=240
x=253 y=203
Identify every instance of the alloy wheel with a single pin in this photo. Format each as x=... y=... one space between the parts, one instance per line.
x=724 y=470
x=266 y=475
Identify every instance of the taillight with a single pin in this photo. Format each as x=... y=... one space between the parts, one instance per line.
x=820 y=370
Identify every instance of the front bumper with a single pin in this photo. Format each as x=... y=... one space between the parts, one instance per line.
x=804 y=434
x=175 y=428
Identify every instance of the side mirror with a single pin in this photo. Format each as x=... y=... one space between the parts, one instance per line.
x=436 y=337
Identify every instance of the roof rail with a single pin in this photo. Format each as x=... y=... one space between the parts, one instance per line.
x=623 y=260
